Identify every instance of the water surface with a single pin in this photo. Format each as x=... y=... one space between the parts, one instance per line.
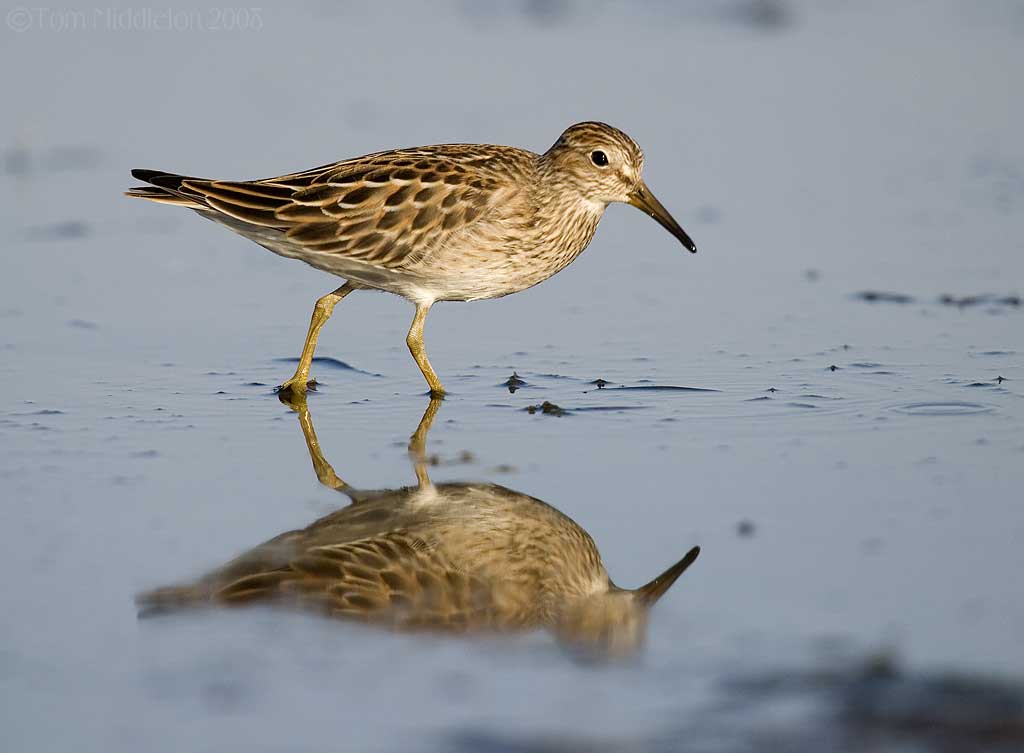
x=850 y=465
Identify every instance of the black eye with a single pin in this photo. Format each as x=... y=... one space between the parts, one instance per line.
x=599 y=158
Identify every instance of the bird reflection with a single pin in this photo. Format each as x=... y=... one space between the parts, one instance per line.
x=453 y=557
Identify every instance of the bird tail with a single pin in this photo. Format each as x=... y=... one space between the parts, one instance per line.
x=165 y=188
x=170 y=599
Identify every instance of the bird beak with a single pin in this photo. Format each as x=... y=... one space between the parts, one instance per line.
x=649 y=594
x=642 y=198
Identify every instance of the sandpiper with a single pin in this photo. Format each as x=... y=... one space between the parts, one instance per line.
x=453 y=222
x=453 y=557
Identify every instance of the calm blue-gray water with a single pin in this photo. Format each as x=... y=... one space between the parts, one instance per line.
x=853 y=175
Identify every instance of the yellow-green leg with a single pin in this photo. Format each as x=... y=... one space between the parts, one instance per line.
x=297 y=385
x=324 y=471
x=418 y=443
x=415 y=342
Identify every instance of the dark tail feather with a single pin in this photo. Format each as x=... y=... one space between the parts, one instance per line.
x=165 y=188
x=161 y=178
x=169 y=599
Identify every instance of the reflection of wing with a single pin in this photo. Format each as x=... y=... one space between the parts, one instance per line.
x=374 y=560
x=395 y=578
x=387 y=209
x=451 y=557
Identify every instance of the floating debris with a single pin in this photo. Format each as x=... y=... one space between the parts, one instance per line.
x=547 y=408
x=946 y=299
x=880 y=296
x=978 y=300
x=514 y=382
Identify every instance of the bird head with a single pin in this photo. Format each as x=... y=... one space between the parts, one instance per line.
x=605 y=165
x=612 y=624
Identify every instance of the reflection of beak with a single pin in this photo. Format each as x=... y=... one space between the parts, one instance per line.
x=642 y=198
x=656 y=588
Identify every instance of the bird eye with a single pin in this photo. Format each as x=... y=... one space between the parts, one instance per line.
x=599 y=158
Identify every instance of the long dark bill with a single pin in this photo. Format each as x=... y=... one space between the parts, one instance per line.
x=642 y=198
x=654 y=590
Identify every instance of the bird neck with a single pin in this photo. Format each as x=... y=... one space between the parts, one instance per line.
x=610 y=623
x=566 y=219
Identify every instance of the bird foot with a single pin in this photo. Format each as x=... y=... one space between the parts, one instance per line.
x=293 y=392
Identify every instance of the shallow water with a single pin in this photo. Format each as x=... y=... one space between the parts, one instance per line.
x=849 y=464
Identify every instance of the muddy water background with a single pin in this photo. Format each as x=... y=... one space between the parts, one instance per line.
x=813 y=150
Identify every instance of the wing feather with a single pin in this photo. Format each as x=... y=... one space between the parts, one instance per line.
x=389 y=209
x=393 y=577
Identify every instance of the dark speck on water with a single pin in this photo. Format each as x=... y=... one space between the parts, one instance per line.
x=964 y=301
x=879 y=296
x=66 y=230
x=514 y=382
x=980 y=299
x=546 y=408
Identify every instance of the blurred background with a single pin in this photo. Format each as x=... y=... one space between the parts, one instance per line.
x=853 y=175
